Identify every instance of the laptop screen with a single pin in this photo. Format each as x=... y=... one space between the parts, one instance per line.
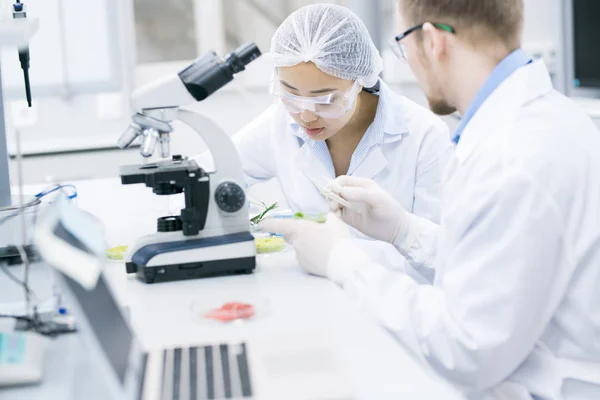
x=110 y=328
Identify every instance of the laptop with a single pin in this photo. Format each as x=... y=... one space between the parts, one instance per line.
x=299 y=367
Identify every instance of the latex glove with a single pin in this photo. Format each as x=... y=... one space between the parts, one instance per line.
x=374 y=212
x=312 y=241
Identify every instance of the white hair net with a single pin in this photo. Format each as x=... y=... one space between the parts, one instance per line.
x=333 y=38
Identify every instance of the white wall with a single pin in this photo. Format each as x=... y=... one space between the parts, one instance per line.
x=231 y=109
x=542 y=19
x=543 y=35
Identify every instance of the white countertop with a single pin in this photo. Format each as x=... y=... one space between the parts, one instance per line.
x=378 y=366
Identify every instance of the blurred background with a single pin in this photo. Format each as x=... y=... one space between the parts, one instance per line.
x=89 y=55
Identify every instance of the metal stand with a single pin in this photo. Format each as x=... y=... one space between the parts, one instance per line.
x=13 y=33
x=5 y=196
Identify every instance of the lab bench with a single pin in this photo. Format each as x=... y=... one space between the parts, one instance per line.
x=376 y=364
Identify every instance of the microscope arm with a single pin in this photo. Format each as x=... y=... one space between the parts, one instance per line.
x=165 y=93
x=224 y=153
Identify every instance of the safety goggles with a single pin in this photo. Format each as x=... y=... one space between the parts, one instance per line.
x=329 y=106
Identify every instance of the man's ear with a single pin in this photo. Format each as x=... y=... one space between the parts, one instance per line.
x=434 y=41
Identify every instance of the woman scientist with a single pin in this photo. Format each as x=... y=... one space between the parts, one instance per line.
x=334 y=116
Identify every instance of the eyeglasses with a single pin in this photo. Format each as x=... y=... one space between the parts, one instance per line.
x=329 y=106
x=400 y=50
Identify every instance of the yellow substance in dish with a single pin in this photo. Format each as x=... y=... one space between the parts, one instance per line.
x=116 y=253
x=270 y=244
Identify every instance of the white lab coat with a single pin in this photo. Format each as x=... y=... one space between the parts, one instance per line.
x=411 y=153
x=514 y=309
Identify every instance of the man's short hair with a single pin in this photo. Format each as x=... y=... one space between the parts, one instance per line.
x=479 y=21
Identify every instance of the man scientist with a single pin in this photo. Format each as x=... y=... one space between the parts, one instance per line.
x=513 y=309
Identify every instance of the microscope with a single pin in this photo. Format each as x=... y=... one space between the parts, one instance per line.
x=211 y=236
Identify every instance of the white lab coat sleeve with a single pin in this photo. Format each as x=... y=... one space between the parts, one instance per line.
x=502 y=281
x=419 y=246
x=255 y=146
x=434 y=156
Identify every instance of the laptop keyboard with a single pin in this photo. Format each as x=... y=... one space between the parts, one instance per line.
x=206 y=373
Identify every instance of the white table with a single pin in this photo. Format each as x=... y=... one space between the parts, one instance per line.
x=378 y=366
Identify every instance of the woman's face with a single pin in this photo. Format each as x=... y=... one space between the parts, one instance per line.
x=307 y=80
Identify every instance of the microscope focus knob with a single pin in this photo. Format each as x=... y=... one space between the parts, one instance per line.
x=169 y=224
x=230 y=197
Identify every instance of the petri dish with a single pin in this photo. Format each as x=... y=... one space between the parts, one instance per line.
x=266 y=244
x=304 y=215
x=116 y=253
x=221 y=309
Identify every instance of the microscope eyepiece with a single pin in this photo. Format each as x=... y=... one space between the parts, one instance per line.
x=210 y=73
x=248 y=53
x=242 y=56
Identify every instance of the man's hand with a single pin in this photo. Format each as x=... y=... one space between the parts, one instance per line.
x=312 y=241
x=374 y=213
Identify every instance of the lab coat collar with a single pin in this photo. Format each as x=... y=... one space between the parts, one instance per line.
x=394 y=124
x=389 y=126
x=523 y=86
x=307 y=161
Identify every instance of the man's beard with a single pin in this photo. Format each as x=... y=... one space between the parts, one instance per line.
x=440 y=107
x=437 y=104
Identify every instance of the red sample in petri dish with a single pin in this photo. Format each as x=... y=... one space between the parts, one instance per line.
x=231 y=311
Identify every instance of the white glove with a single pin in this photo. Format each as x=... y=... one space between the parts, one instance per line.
x=374 y=212
x=312 y=241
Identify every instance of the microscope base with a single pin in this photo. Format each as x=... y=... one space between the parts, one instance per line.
x=202 y=269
